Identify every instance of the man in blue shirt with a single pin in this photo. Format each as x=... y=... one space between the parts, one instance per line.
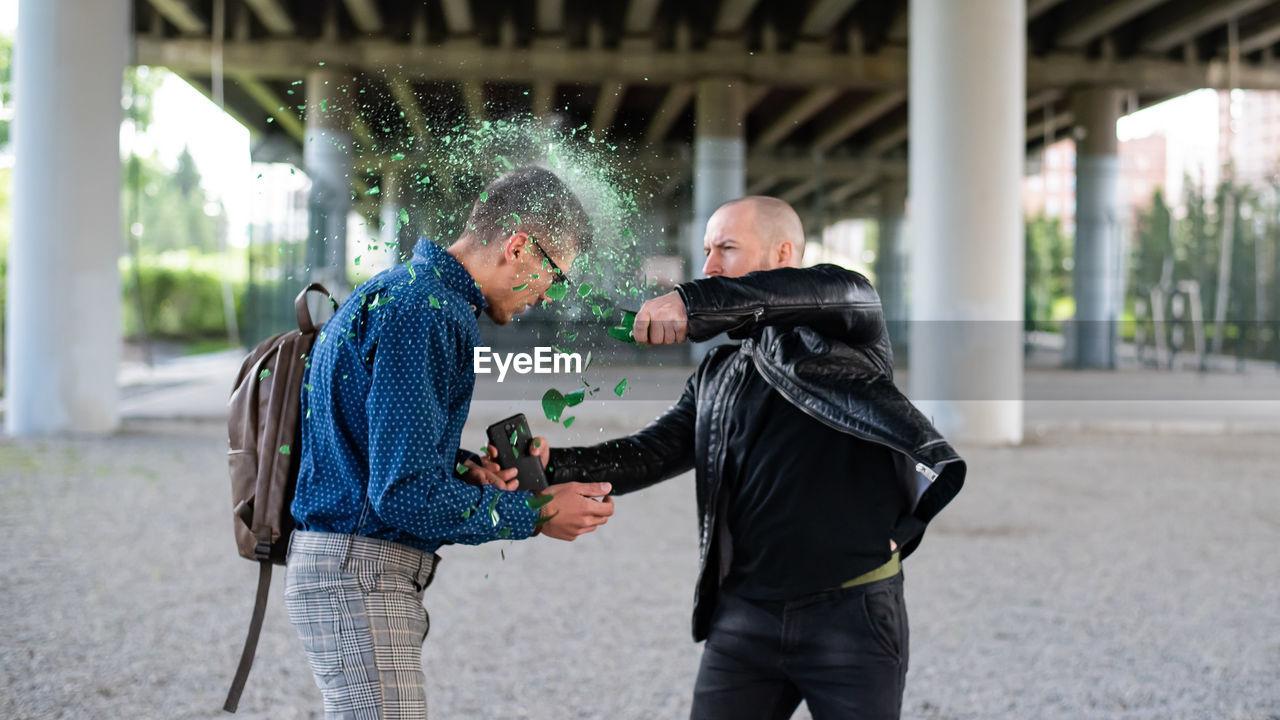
x=382 y=483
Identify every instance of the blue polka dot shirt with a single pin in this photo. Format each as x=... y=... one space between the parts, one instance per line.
x=385 y=396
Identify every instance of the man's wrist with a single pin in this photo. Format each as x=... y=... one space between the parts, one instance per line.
x=538 y=503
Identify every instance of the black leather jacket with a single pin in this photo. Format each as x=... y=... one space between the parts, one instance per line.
x=817 y=335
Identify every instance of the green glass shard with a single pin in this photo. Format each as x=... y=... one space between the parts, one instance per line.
x=520 y=287
x=575 y=398
x=536 y=503
x=284 y=449
x=620 y=388
x=584 y=290
x=484 y=197
x=397 y=156
x=557 y=291
x=264 y=374
x=493 y=510
x=622 y=331
x=461 y=469
x=569 y=422
x=434 y=302
x=553 y=404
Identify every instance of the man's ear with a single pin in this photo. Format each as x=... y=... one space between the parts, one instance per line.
x=514 y=245
x=784 y=253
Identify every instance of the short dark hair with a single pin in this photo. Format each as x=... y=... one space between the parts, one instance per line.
x=533 y=200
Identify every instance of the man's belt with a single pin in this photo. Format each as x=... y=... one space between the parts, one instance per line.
x=887 y=570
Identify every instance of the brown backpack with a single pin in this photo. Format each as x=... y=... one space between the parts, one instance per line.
x=264 y=430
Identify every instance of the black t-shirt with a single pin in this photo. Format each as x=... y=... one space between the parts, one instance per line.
x=809 y=506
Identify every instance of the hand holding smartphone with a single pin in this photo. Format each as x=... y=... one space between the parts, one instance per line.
x=511 y=437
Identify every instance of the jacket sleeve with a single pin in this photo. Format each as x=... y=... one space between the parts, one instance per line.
x=836 y=302
x=662 y=450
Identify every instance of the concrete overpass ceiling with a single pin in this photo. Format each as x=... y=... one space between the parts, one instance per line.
x=1259 y=35
x=829 y=74
x=1155 y=26
x=776 y=114
x=870 y=140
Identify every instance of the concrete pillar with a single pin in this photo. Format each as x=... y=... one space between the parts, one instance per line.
x=1096 y=277
x=967 y=87
x=327 y=157
x=719 y=156
x=402 y=213
x=891 y=262
x=63 y=348
x=719 y=165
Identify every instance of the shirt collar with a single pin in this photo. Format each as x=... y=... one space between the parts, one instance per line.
x=452 y=273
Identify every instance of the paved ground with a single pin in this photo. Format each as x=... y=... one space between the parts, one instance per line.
x=1120 y=564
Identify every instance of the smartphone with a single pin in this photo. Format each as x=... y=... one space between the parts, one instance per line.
x=512 y=439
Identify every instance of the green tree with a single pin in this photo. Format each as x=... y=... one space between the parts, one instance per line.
x=1048 y=274
x=6 y=225
x=187 y=175
x=6 y=86
x=165 y=218
x=1153 y=262
x=140 y=86
x=1170 y=250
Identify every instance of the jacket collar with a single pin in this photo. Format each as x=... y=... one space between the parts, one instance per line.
x=452 y=273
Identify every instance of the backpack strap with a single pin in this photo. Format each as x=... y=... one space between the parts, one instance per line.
x=250 y=640
x=300 y=307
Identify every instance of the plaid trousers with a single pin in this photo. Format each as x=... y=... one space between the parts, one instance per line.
x=356 y=603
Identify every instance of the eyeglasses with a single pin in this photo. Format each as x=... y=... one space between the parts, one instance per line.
x=558 y=275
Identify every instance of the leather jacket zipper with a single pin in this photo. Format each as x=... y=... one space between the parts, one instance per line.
x=723 y=427
x=759 y=311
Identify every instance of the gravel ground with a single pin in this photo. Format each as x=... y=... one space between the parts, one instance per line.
x=1079 y=576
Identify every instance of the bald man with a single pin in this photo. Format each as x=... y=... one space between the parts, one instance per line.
x=814 y=475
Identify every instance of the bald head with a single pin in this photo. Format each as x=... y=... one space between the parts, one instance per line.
x=753 y=233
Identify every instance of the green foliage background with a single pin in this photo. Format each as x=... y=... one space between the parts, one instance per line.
x=1170 y=248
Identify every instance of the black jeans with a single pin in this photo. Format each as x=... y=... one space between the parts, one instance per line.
x=843 y=651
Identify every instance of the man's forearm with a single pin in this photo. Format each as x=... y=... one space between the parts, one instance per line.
x=834 y=301
x=624 y=463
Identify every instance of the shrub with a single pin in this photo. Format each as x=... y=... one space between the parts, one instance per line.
x=177 y=303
